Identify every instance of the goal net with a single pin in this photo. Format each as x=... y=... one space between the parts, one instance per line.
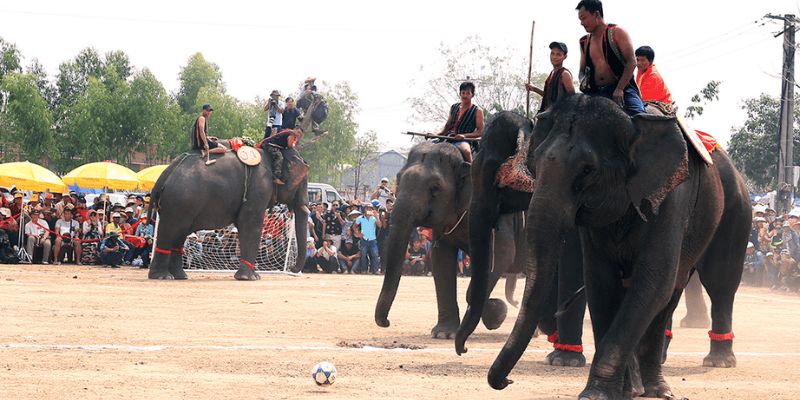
x=218 y=249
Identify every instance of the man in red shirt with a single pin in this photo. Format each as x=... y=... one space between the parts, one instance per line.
x=650 y=82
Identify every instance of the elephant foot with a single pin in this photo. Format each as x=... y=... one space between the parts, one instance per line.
x=593 y=392
x=494 y=313
x=720 y=360
x=562 y=358
x=659 y=390
x=246 y=274
x=178 y=273
x=163 y=275
x=696 y=321
x=444 y=329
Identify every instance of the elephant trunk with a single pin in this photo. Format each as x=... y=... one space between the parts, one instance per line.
x=392 y=264
x=301 y=230
x=548 y=223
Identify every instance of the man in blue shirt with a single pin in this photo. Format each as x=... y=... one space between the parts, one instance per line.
x=366 y=230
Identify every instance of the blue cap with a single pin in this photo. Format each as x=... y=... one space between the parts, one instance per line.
x=376 y=203
x=207 y=107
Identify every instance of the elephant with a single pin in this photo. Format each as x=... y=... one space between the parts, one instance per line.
x=650 y=211
x=191 y=195
x=433 y=191
x=505 y=136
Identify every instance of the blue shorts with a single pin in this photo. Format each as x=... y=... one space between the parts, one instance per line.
x=633 y=103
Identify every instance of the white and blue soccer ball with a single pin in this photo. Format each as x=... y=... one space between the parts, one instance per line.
x=324 y=374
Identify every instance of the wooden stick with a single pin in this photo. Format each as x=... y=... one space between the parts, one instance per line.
x=432 y=136
x=530 y=67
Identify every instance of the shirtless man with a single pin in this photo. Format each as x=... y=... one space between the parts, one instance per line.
x=199 y=139
x=607 y=69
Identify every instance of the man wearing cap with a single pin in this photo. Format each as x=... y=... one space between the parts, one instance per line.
x=112 y=250
x=347 y=232
x=365 y=228
x=66 y=229
x=349 y=257
x=16 y=205
x=559 y=82
x=607 y=59
x=115 y=225
x=311 y=257
x=753 y=273
x=274 y=109
x=332 y=223
x=382 y=193
x=200 y=139
x=37 y=236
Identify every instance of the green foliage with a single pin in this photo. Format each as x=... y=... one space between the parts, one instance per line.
x=754 y=147
x=326 y=156
x=366 y=149
x=28 y=116
x=9 y=61
x=706 y=95
x=499 y=77
x=195 y=76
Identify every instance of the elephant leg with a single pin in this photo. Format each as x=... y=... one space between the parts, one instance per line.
x=249 y=238
x=720 y=275
x=444 y=265
x=569 y=344
x=696 y=310
x=652 y=348
x=159 y=264
x=176 y=263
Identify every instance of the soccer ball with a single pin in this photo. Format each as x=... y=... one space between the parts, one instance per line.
x=324 y=374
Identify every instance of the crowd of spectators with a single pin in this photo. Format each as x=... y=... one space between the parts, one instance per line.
x=57 y=228
x=773 y=250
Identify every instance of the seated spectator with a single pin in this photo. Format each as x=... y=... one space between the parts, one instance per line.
x=349 y=257
x=37 y=236
x=48 y=200
x=416 y=259
x=771 y=266
x=130 y=216
x=10 y=226
x=753 y=273
x=141 y=243
x=67 y=229
x=326 y=256
x=16 y=206
x=193 y=249
x=112 y=250
x=311 y=256
x=115 y=224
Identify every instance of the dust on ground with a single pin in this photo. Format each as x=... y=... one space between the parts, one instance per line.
x=83 y=332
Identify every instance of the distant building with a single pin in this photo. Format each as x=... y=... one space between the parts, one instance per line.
x=383 y=165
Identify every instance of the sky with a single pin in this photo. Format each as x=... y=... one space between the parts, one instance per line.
x=379 y=47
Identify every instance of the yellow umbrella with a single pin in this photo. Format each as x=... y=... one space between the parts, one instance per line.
x=29 y=176
x=149 y=176
x=101 y=175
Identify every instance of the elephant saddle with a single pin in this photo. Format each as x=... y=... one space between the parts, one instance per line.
x=514 y=173
x=701 y=141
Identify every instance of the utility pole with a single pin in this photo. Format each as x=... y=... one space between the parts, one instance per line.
x=787 y=178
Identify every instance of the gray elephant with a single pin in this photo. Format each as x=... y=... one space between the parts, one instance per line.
x=433 y=191
x=649 y=210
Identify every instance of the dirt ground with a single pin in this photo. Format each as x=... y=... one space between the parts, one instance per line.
x=78 y=332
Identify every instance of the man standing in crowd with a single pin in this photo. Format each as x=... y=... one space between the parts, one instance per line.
x=333 y=222
x=366 y=230
x=274 y=109
x=382 y=193
x=290 y=115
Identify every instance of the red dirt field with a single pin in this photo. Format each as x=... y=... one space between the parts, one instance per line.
x=80 y=332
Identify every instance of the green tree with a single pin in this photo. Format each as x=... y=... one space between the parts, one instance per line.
x=499 y=76
x=366 y=148
x=46 y=88
x=196 y=75
x=29 y=118
x=754 y=147
x=154 y=117
x=10 y=58
x=73 y=77
x=706 y=95
x=328 y=155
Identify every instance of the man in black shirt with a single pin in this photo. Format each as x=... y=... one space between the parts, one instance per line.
x=332 y=222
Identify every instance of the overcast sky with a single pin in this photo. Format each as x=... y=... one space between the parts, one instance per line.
x=378 y=47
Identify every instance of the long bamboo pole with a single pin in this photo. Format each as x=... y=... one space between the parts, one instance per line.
x=530 y=67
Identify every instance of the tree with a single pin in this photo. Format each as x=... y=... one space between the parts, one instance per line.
x=365 y=149
x=754 y=147
x=706 y=95
x=197 y=74
x=46 y=88
x=9 y=62
x=29 y=117
x=499 y=77
x=328 y=155
x=73 y=76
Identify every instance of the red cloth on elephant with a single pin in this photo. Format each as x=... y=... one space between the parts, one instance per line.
x=709 y=141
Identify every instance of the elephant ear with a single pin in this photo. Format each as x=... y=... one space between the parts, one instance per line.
x=464 y=188
x=659 y=160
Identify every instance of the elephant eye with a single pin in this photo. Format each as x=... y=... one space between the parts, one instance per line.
x=435 y=190
x=588 y=169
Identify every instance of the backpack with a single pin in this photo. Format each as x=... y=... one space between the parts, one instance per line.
x=320 y=113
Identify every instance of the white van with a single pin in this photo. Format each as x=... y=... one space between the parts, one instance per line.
x=322 y=192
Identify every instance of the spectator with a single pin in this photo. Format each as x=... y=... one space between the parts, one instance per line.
x=754 y=269
x=16 y=205
x=311 y=257
x=348 y=224
x=790 y=238
x=130 y=216
x=307 y=94
x=366 y=230
x=37 y=236
x=67 y=230
x=382 y=193
x=193 y=249
x=49 y=215
x=80 y=209
x=115 y=225
x=463 y=264
x=771 y=266
x=274 y=109
x=48 y=200
x=332 y=223
x=383 y=233
x=326 y=256
x=316 y=218
x=291 y=114
x=787 y=267
x=112 y=250
x=416 y=259
x=141 y=243
x=349 y=257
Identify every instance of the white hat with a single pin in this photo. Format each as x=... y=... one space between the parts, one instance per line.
x=310 y=240
x=354 y=212
x=192 y=235
x=750 y=245
x=759 y=208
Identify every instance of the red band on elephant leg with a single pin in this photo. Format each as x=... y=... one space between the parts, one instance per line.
x=248 y=264
x=179 y=251
x=568 y=347
x=553 y=338
x=720 y=337
x=162 y=251
x=668 y=333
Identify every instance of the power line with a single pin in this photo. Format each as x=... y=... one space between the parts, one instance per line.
x=700 y=43
x=717 y=57
x=707 y=44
